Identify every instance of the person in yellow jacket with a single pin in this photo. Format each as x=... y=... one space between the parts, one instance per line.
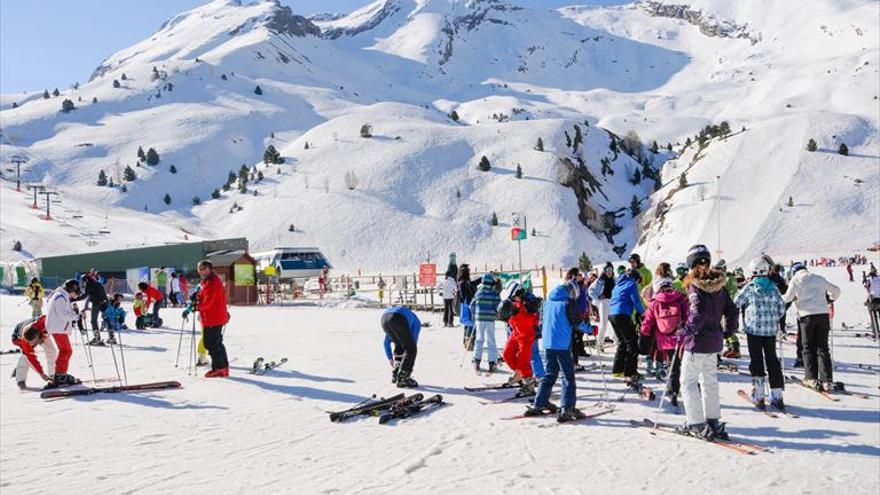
x=681 y=272
x=35 y=294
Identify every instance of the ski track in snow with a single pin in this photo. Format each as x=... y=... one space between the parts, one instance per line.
x=253 y=434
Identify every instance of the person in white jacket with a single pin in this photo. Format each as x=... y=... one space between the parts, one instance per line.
x=447 y=290
x=600 y=294
x=60 y=319
x=812 y=294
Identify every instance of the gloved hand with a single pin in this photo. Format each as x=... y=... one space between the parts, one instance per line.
x=645 y=342
x=45 y=377
x=185 y=314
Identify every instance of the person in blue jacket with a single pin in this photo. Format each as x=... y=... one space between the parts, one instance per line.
x=558 y=316
x=114 y=318
x=625 y=299
x=402 y=327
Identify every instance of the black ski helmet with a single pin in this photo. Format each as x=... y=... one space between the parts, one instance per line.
x=71 y=285
x=698 y=254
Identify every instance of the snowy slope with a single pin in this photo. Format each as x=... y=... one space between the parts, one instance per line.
x=189 y=93
x=271 y=433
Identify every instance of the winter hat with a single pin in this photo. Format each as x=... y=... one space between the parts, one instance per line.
x=660 y=283
x=608 y=266
x=681 y=269
x=797 y=266
x=621 y=270
x=759 y=267
x=635 y=257
x=488 y=279
x=512 y=289
x=721 y=265
x=698 y=254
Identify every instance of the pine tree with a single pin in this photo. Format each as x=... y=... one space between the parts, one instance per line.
x=272 y=156
x=540 y=145
x=636 y=178
x=215 y=194
x=567 y=139
x=635 y=207
x=45 y=94
x=94 y=99
x=14 y=104
x=668 y=146
x=67 y=106
x=811 y=145
x=197 y=200
x=682 y=181
x=724 y=128
x=584 y=262
x=16 y=246
x=534 y=233
x=494 y=220
x=291 y=228
x=790 y=202
x=231 y=177
x=128 y=174
x=102 y=178
x=518 y=171
x=172 y=169
x=258 y=90
x=366 y=131
x=654 y=147
x=152 y=157
x=243 y=173
x=223 y=76
x=306 y=145
x=116 y=83
x=167 y=199
x=124 y=188
x=453 y=115
x=141 y=156
x=484 y=165
x=124 y=77
x=458 y=193
x=843 y=149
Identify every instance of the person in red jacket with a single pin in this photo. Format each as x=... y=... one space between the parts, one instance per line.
x=27 y=335
x=211 y=299
x=518 y=351
x=154 y=297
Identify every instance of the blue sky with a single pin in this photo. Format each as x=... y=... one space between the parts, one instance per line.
x=54 y=43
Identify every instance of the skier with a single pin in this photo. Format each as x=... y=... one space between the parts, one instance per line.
x=663 y=270
x=154 y=298
x=174 y=295
x=681 y=272
x=139 y=307
x=872 y=285
x=665 y=315
x=523 y=321
x=211 y=303
x=485 y=312
x=625 y=300
x=849 y=271
x=811 y=294
x=35 y=294
x=402 y=327
x=776 y=276
x=558 y=316
x=576 y=277
x=763 y=307
x=447 y=290
x=466 y=290
x=381 y=286
x=114 y=318
x=162 y=285
x=731 y=342
x=600 y=294
x=703 y=336
x=60 y=317
x=97 y=297
x=27 y=335
x=635 y=263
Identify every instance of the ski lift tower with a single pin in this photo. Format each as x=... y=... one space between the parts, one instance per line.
x=37 y=188
x=18 y=160
x=48 y=195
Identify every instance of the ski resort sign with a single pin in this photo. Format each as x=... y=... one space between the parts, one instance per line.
x=427 y=274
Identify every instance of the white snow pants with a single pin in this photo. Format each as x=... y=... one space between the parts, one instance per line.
x=485 y=334
x=604 y=306
x=51 y=353
x=703 y=369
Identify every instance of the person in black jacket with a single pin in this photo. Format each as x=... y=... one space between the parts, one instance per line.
x=778 y=280
x=97 y=297
x=466 y=290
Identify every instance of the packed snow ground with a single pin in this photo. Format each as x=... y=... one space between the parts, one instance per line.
x=249 y=434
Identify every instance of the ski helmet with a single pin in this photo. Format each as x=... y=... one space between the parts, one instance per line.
x=681 y=269
x=71 y=285
x=721 y=265
x=759 y=267
x=698 y=254
x=661 y=282
x=796 y=266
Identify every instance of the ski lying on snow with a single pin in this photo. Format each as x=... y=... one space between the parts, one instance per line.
x=747 y=398
x=408 y=409
x=51 y=394
x=589 y=413
x=733 y=445
x=798 y=381
x=515 y=397
x=365 y=408
x=270 y=366
x=491 y=387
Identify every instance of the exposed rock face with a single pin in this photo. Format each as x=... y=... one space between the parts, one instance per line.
x=708 y=25
x=284 y=21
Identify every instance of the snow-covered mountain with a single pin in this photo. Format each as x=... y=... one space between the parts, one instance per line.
x=443 y=83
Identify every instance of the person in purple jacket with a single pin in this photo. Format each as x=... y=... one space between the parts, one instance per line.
x=708 y=302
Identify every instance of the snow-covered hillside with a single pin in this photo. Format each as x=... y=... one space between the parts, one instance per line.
x=510 y=75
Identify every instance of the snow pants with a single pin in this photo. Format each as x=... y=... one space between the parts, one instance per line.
x=558 y=360
x=699 y=383
x=23 y=365
x=626 y=359
x=604 y=309
x=537 y=362
x=485 y=335
x=397 y=329
x=156 y=306
x=674 y=371
x=214 y=343
x=518 y=354
x=65 y=350
x=448 y=314
x=814 y=331
x=763 y=350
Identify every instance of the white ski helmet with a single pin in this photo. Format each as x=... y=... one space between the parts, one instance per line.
x=759 y=267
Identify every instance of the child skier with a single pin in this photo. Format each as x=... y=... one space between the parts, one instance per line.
x=402 y=327
x=114 y=318
x=558 y=316
x=665 y=315
x=27 y=335
x=154 y=301
x=35 y=294
x=523 y=322
x=763 y=307
x=485 y=311
x=139 y=307
x=703 y=336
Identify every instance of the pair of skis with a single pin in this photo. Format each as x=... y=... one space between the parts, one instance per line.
x=502 y=386
x=410 y=406
x=395 y=407
x=261 y=367
x=762 y=407
x=587 y=414
x=60 y=393
x=733 y=445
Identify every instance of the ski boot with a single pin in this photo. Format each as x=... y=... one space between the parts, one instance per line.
x=633 y=381
x=202 y=360
x=532 y=410
x=673 y=399
x=649 y=366
x=515 y=379
x=528 y=385
x=718 y=428
x=569 y=414
x=492 y=367
x=96 y=341
x=827 y=387
x=699 y=430
x=476 y=363
x=406 y=381
x=814 y=384
x=776 y=399
x=217 y=373
x=21 y=385
x=660 y=371
x=112 y=340
x=734 y=352
x=758 y=393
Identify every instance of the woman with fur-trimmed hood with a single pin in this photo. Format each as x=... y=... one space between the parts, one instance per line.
x=708 y=302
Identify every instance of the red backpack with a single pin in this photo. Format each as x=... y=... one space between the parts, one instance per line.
x=668 y=317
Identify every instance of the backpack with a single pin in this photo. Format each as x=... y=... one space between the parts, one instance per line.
x=668 y=318
x=505 y=310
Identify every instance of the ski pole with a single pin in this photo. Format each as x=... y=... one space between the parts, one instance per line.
x=831 y=331
x=470 y=341
x=88 y=354
x=115 y=364
x=180 y=343
x=191 y=348
x=594 y=354
x=122 y=356
x=668 y=384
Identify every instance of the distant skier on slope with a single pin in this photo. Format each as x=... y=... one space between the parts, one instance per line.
x=402 y=328
x=708 y=303
x=763 y=307
x=27 y=335
x=811 y=294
